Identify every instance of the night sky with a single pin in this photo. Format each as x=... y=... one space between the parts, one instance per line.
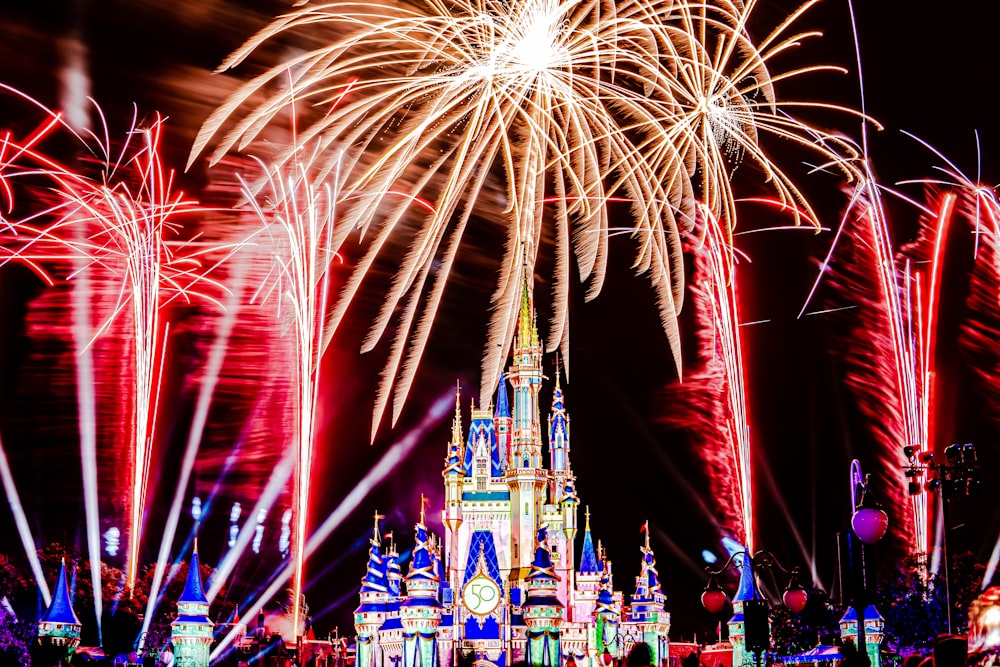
x=929 y=70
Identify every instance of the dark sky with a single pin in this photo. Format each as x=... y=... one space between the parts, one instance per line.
x=929 y=69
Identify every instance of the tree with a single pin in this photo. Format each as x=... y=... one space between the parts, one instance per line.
x=795 y=633
x=122 y=608
x=914 y=605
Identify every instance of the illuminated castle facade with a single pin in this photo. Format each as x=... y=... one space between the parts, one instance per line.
x=504 y=586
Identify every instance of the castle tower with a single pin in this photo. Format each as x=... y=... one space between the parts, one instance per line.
x=503 y=421
x=874 y=632
x=525 y=475
x=421 y=611
x=454 y=474
x=372 y=612
x=191 y=631
x=746 y=600
x=647 y=609
x=558 y=432
x=542 y=610
x=606 y=617
x=59 y=628
x=588 y=577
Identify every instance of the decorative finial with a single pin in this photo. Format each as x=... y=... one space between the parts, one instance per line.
x=586 y=517
x=645 y=529
x=558 y=371
x=376 y=539
x=423 y=504
x=195 y=544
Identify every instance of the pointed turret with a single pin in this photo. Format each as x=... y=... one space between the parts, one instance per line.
x=59 y=627
x=648 y=598
x=588 y=557
x=542 y=611
x=874 y=631
x=421 y=611
x=454 y=470
x=746 y=596
x=526 y=378
x=540 y=588
x=558 y=430
x=191 y=631
x=606 y=619
x=393 y=572
x=526 y=477
x=374 y=594
x=502 y=418
x=647 y=610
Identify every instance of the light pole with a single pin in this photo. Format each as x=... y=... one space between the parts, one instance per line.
x=960 y=476
x=756 y=626
x=868 y=524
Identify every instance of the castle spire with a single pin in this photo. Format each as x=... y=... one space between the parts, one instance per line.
x=588 y=557
x=191 y=630
x=456 y=422
x=61 y=606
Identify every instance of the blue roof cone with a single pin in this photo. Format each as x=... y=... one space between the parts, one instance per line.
x=194 y=592
x=588 y=558
x=748 y=587
x=503 y=406
x=61 y=608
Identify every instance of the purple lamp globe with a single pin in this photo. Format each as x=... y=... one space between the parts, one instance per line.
x=870 y=524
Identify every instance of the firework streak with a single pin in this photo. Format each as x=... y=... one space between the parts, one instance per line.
x=496 y=108
x=113 y=225
x=710 y=403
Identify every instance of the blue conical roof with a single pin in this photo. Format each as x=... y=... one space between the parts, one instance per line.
x=748 y=587
x=503 y=406
x=61 y=608
x=421 y=565
x=871 y=614
x=375 y=579
x=193 y=592
x=588 y=558
x=558 y=430
x=393 y=574
x=541 y=566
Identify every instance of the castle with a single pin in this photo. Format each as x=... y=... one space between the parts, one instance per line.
x=504 y=587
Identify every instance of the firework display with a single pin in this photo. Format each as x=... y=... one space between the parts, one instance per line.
x=360 y=170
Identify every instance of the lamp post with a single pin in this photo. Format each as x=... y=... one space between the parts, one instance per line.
x=959 y=476
x=869 y=523
x=756 y=627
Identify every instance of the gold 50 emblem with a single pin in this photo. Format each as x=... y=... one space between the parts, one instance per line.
x=481 y=595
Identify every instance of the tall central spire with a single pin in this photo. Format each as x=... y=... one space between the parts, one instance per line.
x=526 y=379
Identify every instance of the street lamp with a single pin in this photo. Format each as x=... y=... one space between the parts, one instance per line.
x=869 y=523
x=959 y=476
x=756 y=627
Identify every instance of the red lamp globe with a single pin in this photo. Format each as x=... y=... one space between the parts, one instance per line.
x=795 y=599
x=713 y=600
x=870 y=524
x=606 y=657
x=571 y=662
